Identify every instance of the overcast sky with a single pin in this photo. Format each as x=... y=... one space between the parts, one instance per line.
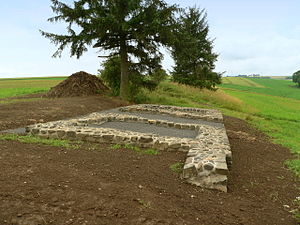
x=251 y=36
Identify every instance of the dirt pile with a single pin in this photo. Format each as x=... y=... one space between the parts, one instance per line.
x=78 y=84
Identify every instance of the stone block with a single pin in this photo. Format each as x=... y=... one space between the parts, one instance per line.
x=108 y=137
x=175 y=145
x=177 y=126
x=221 y=168
x=208 y=166
x=70 y=134
x=145 y=139
x=189 y=170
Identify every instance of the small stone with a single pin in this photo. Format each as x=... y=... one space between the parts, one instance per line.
x=108 y=137
x=151 y=121
x=208 y=166
x=35 y=131
x=145 y=139
x=60 y=133
x=189 y=170
x=221 y=168
x=175 y=145
x=189 y=160
x=71 y=134
x=170 y=124
x=178 y=126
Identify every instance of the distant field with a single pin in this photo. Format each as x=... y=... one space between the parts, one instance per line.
x=280 y=88
x=22 y=86
x=240 y=81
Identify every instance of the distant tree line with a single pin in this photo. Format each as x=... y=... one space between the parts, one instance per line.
x=296 y=77
x=133 y=32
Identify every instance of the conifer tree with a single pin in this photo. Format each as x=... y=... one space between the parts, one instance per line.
x=193 y=51
x=128 y=28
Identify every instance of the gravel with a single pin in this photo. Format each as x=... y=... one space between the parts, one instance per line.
x=165 y=117
x=148 y=128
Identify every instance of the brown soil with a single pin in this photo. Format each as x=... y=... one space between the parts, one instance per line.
x=78 y=84
x=96 y=185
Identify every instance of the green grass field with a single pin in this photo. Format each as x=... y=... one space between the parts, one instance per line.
x=22 y=86
x=240 y=81
x=281 y=88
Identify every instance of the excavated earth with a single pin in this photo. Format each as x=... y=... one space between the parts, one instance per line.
x=78 y=84
x=96 y=185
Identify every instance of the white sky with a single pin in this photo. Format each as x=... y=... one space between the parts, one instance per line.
x=252 y=36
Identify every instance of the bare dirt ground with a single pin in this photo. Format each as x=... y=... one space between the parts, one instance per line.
x=96 y=185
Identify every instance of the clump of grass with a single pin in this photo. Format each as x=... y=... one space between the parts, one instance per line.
x=294 y=164
x=149 y=151
x=116 y=146
x=296 y=211
x=144 y=203
x=177 y=167
x=37 y=140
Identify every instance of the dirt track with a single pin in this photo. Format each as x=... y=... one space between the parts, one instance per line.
x=96 y=185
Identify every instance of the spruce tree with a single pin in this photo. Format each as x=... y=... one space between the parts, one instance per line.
x=128 y=28
x=193 y=51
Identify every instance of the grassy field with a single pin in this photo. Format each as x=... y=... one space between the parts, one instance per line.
x=273 y=106
x=281 y=88
x=240 y=81
x=22 y=86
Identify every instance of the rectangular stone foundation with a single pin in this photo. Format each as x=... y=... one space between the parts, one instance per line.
x=208 y=154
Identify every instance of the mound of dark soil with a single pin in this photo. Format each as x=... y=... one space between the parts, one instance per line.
x=78 y=84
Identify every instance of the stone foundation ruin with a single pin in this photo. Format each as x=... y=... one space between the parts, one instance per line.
x=199 y=132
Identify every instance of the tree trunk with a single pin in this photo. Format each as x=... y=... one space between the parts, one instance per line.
x=124 y=84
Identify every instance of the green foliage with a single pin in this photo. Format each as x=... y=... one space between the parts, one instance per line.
x=111 y=71
x=296 y=77
x=192 y=51
x=158 y=75
x=295 y=166
x=116 y=146
x=177 y=167
x=111 y=74
x=130 y=29
x=144 y=203
x=37 y=140
x=149 y=151
x=296 y=211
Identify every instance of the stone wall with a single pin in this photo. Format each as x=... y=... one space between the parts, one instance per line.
x=208 y=154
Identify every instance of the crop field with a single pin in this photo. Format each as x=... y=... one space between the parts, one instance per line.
x=240 y=81
x=22 y=86
x=281 y=88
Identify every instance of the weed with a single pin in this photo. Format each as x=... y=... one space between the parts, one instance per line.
x=177 y=167
x=116 y=146
x=149 y=151
x=144 y=203
x=37 y=140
